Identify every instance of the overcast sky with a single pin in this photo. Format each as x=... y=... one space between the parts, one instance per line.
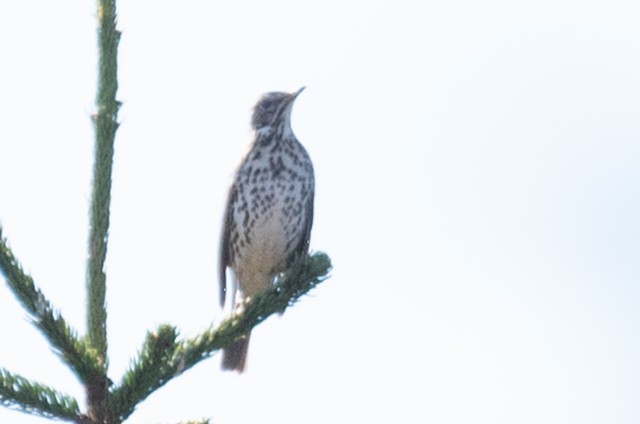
x=478 y=190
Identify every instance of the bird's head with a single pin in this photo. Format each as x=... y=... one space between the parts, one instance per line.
x=273 y=108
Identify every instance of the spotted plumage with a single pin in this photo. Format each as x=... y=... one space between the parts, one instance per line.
x=269 y=211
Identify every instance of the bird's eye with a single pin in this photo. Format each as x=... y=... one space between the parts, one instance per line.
x=265 y=141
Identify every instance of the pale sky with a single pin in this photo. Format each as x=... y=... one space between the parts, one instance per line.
x=478 y=190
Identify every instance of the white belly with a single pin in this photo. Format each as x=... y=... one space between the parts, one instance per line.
x=265 y=255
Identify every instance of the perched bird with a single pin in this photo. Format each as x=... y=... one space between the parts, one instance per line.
x=269 y=210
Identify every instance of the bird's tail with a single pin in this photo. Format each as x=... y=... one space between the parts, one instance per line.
x=234 y=357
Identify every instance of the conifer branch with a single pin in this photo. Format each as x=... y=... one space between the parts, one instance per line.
x=17 y=392
x=162 y=358
x=63 y=339
x=141 y=380
x=105 y=123
x=304 y=275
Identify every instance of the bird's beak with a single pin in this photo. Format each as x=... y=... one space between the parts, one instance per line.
x=294 y=95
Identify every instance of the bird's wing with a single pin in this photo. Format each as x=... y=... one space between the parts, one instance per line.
x=225 y=248
x=309 y=221
x=303 y=245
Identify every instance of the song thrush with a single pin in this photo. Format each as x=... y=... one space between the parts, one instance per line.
x=269 y=210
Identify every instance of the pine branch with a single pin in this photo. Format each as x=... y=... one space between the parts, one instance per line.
x=162 y=358
x=140 y=381
x=63 y=339
x=17 y=392
x=105 y=123
x=303 y=276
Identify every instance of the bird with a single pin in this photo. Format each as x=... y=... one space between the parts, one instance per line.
x=269 y=212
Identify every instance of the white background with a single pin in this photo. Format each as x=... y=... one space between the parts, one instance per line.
x=478 y=190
